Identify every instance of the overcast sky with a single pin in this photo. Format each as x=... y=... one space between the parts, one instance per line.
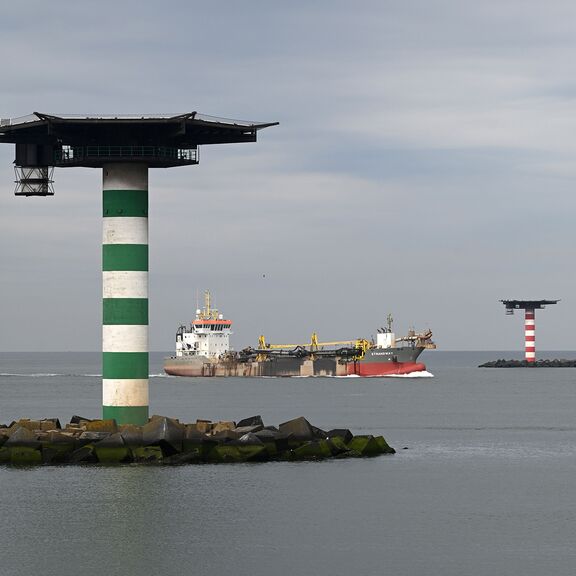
x=424 y=166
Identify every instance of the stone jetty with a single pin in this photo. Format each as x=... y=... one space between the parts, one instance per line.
x=524 y=364
x=168 y=441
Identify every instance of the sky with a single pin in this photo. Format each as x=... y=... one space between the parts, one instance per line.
x=424 y=165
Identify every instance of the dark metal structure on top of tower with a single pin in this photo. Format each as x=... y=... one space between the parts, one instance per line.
x=44 y=141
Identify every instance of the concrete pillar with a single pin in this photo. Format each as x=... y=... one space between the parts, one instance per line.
x=125 y=293
x=530 y=335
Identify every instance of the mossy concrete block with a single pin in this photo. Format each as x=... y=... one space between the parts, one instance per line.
x=224 y=436
x=111 y=441
x=343 y=433
x=298 y=428
x=109 y=426
x=337 y=445
x=365 y=445
x=194 y=456
x=25 y=455
x=384 y=446
x=3 y=439
x=313 y=450
x=57 y=453
x=147 y=454
x=112 y=454
x=4 y=455
x=84 y=454
x=237 y=453
x=250 y=439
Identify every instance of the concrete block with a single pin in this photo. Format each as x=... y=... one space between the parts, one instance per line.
x=252 y=421
x=313 y=450
x=25 y=455
x=132 y=435
x=365 y=445
x=223 y=426
x=343 y=433
x=84 y=454
x=22 y=436
x=204 y=426
x=241 y=430
x=384 y=446
x=298 y=428
x=109 y=426
x=164 y=432
x=79 y=420
x=147 y=454
x=112 y=454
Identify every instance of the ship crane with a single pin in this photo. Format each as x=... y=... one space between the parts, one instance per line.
x=314 y=345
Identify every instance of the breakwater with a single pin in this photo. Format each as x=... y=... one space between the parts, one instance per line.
x=524 y=364
x=168 y=441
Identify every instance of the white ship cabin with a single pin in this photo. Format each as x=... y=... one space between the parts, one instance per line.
x=208 y=334
x=385 y=338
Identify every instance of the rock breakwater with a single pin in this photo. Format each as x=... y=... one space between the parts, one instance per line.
x=167 y=441
x=524 y=364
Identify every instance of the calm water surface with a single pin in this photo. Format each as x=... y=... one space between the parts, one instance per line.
x=483 y=483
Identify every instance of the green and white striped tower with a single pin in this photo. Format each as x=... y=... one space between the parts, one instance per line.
x=125 y=293
x=125 y=147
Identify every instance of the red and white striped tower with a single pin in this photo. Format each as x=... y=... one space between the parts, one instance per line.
x=529 y=335
x=529 y=307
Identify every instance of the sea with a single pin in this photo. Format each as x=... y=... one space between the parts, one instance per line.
x=483 y=481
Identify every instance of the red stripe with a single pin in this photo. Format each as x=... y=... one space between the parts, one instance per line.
x=530 y=338
x=384 y=368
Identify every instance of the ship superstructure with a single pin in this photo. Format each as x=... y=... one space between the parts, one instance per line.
x=208 y=335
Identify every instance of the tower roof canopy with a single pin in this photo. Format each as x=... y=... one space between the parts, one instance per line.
x=175 y=130
x=530 y=304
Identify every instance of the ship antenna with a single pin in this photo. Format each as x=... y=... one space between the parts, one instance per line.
x=389 y=321
x=207 y=302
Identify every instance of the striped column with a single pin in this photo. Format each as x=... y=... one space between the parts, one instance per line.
x=125 y=293
x=529 y=335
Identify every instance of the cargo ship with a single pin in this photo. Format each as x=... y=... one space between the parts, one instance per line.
x=203 y=349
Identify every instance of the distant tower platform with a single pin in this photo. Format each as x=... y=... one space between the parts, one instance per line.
x=124 y=146
x=529 y=307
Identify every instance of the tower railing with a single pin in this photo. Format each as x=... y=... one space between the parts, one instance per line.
x=76 y=154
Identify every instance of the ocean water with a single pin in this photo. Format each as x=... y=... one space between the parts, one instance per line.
x=483 y=482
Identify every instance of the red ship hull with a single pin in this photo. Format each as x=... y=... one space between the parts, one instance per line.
x=384 y=368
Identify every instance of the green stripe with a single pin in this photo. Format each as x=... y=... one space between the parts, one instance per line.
x=127 y=257
x=125 y=203
x=137 y=415
x=123 y=365
x=125 y=311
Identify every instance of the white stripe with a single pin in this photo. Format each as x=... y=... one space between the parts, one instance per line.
x=125 y=177
x=529 y=333
x=124 y=284
x=529 y=322
x=124 y=338
x=128 y=392
x=125 y=230
x=530 y=354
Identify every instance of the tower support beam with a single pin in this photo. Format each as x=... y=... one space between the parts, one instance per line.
x=125 y=358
